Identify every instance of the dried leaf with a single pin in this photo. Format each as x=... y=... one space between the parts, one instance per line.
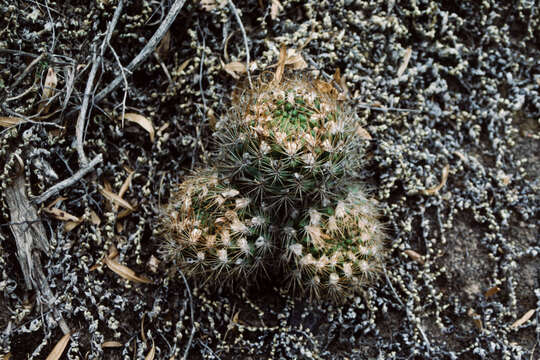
x=7 y=121
x=125 y=272
x=152 y=352
x=70 y=225
x=144 y=122
x=476 y=319
x=234 y=68
x=127 y=183
x=183 y=65
x=61 y=214
x=415 y=256
x=122 y=214
x=275 y=9
x=492 y=291
x=48 y=91
x=405 y=62
x=295 y=60
x=111 y=344
x=280 y=64
x=522 y=320
x=50 y=84
x=115 y=199
x=94 y=218
x=58 y=349
x=164 y=46
x=435 y=189
x=363 y=133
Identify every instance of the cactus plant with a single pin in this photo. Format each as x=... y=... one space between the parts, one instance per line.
x=282 y=190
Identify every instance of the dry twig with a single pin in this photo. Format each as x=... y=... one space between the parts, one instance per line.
x=148 y=48
x=69 y=181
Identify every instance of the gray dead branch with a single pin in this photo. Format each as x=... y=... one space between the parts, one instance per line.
x=31 y=240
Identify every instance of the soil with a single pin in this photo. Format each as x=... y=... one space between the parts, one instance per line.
x=468 y=100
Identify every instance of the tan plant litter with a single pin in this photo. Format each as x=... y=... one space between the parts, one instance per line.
x=115 y=198
x=143 y=122
x=406 y=59
x=125 y=272
x=59 y=348
x=48 y=90
x=7 y=121
x=111 y=344
x=434 y=190
x=522 y=320
x=415 y=256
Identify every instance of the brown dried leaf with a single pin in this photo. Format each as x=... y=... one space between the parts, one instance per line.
x=280 y=64
x=164 y=46
x=435 y=189
x=50 y=84
x=58 y=349
x=363 y=133
x=183 y=65
x=476 y=318
x=56 y=201
x=415 y=256
x=522 y=320
x=115 y=199
x=111 y=344
x=61 y=214
x=94 y=218
x=492 y=291
x=236 y=67
x=295 y=60
x=70 y=225
x=405 y=62
x=7 y=121
x=275 y=9
x=144 y=122
x=127 y=183
x=125 y=272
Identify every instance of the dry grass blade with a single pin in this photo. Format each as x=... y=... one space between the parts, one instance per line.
x=492 y=291
x=434 y=190
x=111 y=344
x=405 y=62
x=144 y=122
x=59 y=348
x=522 y=320
x=115 y=199
x=125 y=272
x=164 y=46
x=7 y=121
x=415 y=256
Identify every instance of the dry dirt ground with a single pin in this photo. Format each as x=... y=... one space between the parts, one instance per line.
x=463 y=276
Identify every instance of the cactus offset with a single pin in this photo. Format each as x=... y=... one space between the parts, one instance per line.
x=283 y=191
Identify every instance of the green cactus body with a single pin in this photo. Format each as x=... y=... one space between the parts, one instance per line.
x=282 y=191
x=210 y=232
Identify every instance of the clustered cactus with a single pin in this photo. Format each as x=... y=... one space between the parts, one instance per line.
x=282 y=198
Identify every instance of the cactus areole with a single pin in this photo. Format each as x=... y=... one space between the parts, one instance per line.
x=282 y=196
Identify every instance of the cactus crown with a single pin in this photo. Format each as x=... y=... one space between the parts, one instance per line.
x=282 y=190
x=288 y=146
